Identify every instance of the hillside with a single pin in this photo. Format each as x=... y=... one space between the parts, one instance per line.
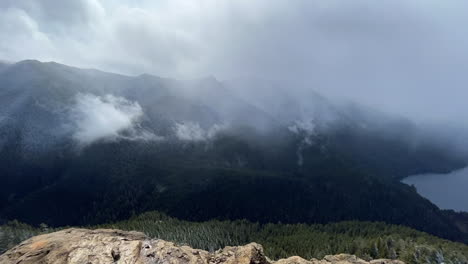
x=97 y=147
x=114 y=246
x=363 y=239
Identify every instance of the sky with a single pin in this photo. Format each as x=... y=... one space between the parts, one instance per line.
x=408 y=57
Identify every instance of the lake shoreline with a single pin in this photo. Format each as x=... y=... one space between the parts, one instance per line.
x=446 y=190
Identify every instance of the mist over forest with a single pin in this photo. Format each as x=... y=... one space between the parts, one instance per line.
x=285 y=112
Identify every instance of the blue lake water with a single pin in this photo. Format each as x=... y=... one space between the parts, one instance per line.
x=447 y=191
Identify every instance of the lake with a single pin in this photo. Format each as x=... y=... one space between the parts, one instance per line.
x=448 y=191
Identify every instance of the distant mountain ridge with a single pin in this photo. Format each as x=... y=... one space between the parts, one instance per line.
x=99 y=147
x=48 y=90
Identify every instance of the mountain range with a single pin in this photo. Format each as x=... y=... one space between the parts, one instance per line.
x=82 y=146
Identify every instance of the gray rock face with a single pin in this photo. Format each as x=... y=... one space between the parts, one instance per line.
x=114 y=246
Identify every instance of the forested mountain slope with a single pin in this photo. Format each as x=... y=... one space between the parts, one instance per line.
x=367 y=240
x=95 y=147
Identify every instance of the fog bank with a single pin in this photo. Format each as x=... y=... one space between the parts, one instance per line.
x=404 y=57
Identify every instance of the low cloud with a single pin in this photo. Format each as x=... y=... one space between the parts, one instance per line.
x=191 y=131
x=307 y=129
x=107 y=118
x=407 y=57
x=306 y=126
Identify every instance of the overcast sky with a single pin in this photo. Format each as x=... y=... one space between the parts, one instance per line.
x=404 y=56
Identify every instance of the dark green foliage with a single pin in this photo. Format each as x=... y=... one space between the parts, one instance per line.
x=15 y=232
x=349 y=168
x=228 y=179
x=368 y=240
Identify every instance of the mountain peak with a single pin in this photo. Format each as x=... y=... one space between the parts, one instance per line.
x=210 y=80
x=147 y=76
x=29 y=61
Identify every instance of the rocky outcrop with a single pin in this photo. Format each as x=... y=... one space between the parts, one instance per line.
x=101 y=246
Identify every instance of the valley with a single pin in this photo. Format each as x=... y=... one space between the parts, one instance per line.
x=98 y=147
x=233 y=132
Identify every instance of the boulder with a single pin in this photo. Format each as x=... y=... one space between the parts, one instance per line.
x=100 y=246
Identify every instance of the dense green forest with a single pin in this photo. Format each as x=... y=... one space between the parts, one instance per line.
x=368 y=240
x=202 y=181
x=301 y=169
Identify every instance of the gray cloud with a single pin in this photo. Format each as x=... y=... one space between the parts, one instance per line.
x=191 y=131
x=406 y=57
x=107 y=118
x=59 y=17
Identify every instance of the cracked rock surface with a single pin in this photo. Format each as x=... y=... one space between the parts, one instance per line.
x=101 y=246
